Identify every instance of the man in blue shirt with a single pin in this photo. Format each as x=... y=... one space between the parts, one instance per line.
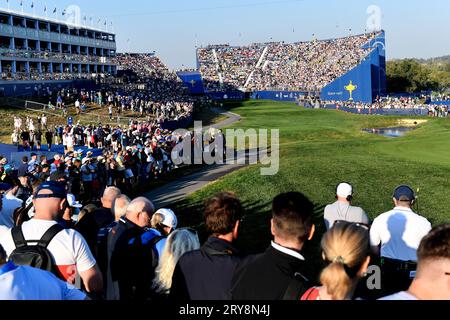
x=26 y=283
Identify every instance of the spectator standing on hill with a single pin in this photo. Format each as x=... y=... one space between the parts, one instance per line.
x=49 y=139
x=395 y=237
x=432 y=281
x=206 y=274
x=280 y=272
x=346 y=249
x=110 y=112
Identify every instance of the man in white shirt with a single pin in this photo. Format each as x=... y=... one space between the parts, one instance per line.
x=432 y=281
x=71 y=254
x=395 y=236
x=342 y=209
x=26 y=283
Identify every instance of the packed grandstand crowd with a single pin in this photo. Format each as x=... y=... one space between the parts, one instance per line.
x=304 y=66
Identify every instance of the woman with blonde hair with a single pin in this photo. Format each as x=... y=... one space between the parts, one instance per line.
x=346 y=249
x=178 y=243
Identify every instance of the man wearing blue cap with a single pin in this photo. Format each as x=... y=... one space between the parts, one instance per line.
x=395 y=236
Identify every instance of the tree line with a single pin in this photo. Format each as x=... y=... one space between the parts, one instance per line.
x=412 y=75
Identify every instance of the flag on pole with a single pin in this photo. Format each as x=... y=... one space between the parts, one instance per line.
x=54 y=11
x=32 y=5
x=64 y=12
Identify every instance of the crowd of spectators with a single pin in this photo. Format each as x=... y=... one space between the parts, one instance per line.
x=397 y=103
x=304 y=66
x=124 y=249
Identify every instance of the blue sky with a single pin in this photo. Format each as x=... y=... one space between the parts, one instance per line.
x=173 y=28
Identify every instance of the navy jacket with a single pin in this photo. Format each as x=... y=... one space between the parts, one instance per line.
x=205 y=274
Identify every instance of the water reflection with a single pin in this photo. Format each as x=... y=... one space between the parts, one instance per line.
x=396 y=132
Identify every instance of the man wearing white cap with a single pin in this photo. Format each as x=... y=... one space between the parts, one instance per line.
x=342 y=209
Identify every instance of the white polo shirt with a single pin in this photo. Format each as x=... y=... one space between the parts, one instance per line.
x=399 y=232
x=26 y=283
x=69 y=249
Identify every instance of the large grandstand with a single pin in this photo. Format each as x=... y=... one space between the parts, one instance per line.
x=43 y=49
x=299 y=67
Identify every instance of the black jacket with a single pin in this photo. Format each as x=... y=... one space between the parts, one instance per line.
x=267 y=276
x=91 y=224
x=205 y=274
x=132 y=261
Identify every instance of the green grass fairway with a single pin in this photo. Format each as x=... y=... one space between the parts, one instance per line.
x=320 y=148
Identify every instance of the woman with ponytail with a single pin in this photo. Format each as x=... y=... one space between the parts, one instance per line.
x=346 y=250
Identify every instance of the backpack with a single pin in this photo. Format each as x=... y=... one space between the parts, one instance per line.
x=36 y=256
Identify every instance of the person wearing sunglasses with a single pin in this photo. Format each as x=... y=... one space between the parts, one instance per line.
x=345 y=248
x=432 y=280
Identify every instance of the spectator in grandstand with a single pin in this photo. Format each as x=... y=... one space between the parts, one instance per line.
x=132 y=261
x=280 y=272
x=395 y=237
x=346 y=249
x=179 y=242
x=26 y=283
x=206 y=274
x=69 y=249
x=432 y=280
x=342 y=209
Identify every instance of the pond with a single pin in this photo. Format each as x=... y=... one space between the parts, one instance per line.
x=396 y=132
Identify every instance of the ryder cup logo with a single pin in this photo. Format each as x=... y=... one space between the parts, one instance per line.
x=72 y=16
